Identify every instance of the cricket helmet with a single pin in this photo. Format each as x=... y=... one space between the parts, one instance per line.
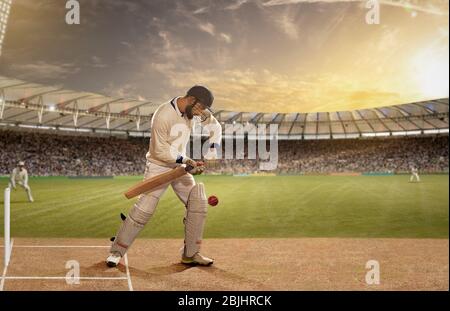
x=202 y=94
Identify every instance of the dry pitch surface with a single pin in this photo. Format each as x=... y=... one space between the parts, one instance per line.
x=241 y=264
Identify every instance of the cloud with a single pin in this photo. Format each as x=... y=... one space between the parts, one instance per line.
x=287 y=20
x=97 y=62
x=236 y=5
x=207 y=27
x=225 y=37
x=170 y=56
x=201 y=10
x=286 y=2
x=179 y=65
x=127 y=44
x=263 y=90
x=435 y=7
x=114 y=5
x=127 y=90
x=36 y=5
x=372 y=96
x=288 y=25
x=169 y=52
x=45 y=70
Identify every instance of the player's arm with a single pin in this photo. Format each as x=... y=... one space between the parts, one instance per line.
x=25 y=178
x=13 y=179
x=165 y=151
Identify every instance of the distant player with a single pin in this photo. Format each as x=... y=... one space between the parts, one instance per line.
x=168 y=150
x=19 y=176
x=414 y=174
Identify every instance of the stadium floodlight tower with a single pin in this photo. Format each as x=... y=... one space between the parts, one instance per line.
x=5 y=6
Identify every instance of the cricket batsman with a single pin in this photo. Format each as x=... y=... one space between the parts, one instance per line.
x=167 y=150
x=19 y=176
x=414 y=174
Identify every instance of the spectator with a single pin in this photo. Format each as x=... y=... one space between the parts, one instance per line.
x=49 y=154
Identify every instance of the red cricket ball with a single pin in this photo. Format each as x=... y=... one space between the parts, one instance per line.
x=213 y=200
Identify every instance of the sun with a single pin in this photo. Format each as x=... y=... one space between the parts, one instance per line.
x=430 y=70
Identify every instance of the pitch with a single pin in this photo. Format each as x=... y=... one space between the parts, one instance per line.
x=250 y=207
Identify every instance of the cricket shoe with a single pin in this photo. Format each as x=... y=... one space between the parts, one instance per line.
x=197 y=259
x=113 y=260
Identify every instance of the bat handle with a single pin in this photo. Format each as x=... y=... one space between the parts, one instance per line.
x=188 y=168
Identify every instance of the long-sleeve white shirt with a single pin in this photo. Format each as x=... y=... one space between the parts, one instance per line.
x=19 y=176
x=170 y=134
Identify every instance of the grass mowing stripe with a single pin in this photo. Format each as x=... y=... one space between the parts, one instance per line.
x=281 y=206
x=90 y=200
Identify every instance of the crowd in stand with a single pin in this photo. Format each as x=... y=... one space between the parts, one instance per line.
x=428 y=154
x=57 y=155
x=48 y=154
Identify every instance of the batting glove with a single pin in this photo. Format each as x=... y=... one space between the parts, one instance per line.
x=189 y=162
x=197 y=168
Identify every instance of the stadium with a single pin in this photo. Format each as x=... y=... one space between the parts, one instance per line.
x=70 y=137
x=340 y=201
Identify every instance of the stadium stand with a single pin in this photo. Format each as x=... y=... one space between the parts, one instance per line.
x=30 y=105
x=71 y=133
x=49 y=154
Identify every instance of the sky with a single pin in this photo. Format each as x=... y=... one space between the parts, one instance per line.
x=255 y=55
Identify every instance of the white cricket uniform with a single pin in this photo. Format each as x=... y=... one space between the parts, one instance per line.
x=414 y=174
x=170 y=134
x=20 y=177
x=167 y=147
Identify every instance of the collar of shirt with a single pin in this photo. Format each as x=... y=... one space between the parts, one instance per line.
x=175 y=106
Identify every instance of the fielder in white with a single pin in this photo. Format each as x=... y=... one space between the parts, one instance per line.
x=168 y=150
x=414 y=174
x=19 y=176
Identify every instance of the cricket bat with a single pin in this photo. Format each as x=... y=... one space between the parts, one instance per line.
x=156 y=181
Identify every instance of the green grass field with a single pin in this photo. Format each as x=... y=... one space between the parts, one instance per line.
x=278 y=206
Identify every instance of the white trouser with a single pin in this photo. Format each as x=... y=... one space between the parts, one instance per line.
x=181 y=186
x=145 y=206
x=414 y=175
x=24 y=186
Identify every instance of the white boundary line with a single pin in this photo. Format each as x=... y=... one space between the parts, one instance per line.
x=63 y=278
x=4 y=277
x=2 y=283
x=61 y=246
x=130 y=285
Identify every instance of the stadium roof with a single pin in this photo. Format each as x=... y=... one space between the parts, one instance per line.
x=25 y=104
